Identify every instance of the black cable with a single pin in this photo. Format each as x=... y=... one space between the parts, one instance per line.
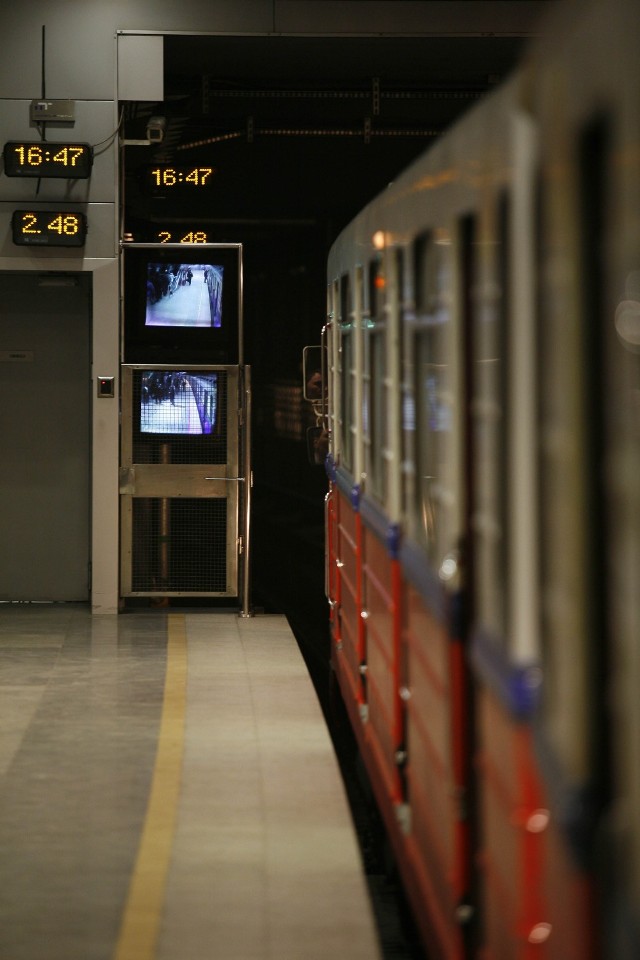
x=43 y=88
x=42 y=69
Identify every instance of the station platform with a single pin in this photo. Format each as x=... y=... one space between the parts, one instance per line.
x=169 y=791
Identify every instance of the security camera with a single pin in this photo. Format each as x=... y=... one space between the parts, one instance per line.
x=155 y=129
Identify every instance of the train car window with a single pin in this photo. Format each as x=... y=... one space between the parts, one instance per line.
x=346 y=372
x=469 y=264
x=375 y=399
x=376 y=290
x=333 y=385
x=394 y=441
x=489 y=412
x=378 y=423
x=374 y=375
x=594 y=144
x=434 y=390
x=406 y=308
x=412 y=301
x=367 y=425
x=538 y=246
x=571 y=458
x=398 y=267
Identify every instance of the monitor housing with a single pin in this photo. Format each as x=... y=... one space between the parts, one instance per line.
x=182 y=303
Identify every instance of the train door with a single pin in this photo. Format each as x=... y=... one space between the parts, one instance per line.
x=45 y=329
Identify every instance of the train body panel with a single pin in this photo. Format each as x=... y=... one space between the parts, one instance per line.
x=484 y=533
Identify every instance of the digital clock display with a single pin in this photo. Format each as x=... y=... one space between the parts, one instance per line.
x=161 y=178
x=180 y=236
x=48 y=228
x=184 y=234
x=69 y=161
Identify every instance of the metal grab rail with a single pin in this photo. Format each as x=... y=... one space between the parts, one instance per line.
x=248 y=481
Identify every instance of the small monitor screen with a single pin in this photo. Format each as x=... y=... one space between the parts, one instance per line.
x=178 y=402
x=184 y=295
x=182 y=304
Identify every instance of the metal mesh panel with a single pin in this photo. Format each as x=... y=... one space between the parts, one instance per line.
x=179 y=416
x=179 y=544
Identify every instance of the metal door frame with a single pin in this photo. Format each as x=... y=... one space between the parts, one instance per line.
x=230 y=481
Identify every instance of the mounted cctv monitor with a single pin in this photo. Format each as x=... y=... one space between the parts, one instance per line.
x=178 y=403
x=178 y=414
x=182 y=303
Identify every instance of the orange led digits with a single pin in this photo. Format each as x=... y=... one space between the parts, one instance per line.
x=192 y=236
x=48 y=228
x=70 y=161
x=161 y=178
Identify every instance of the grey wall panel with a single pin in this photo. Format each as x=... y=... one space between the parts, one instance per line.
x=101 y=239
x=140 y=67
x=95 y=122
x=80 y=48
x=20 y=63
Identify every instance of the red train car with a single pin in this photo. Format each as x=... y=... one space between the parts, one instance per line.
x=483 y=514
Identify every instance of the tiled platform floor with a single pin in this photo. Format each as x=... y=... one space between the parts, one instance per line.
x=168 y=791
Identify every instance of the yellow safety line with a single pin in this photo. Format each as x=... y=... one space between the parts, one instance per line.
x=143 y=910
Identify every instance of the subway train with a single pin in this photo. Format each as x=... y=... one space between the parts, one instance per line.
x=481 y=411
